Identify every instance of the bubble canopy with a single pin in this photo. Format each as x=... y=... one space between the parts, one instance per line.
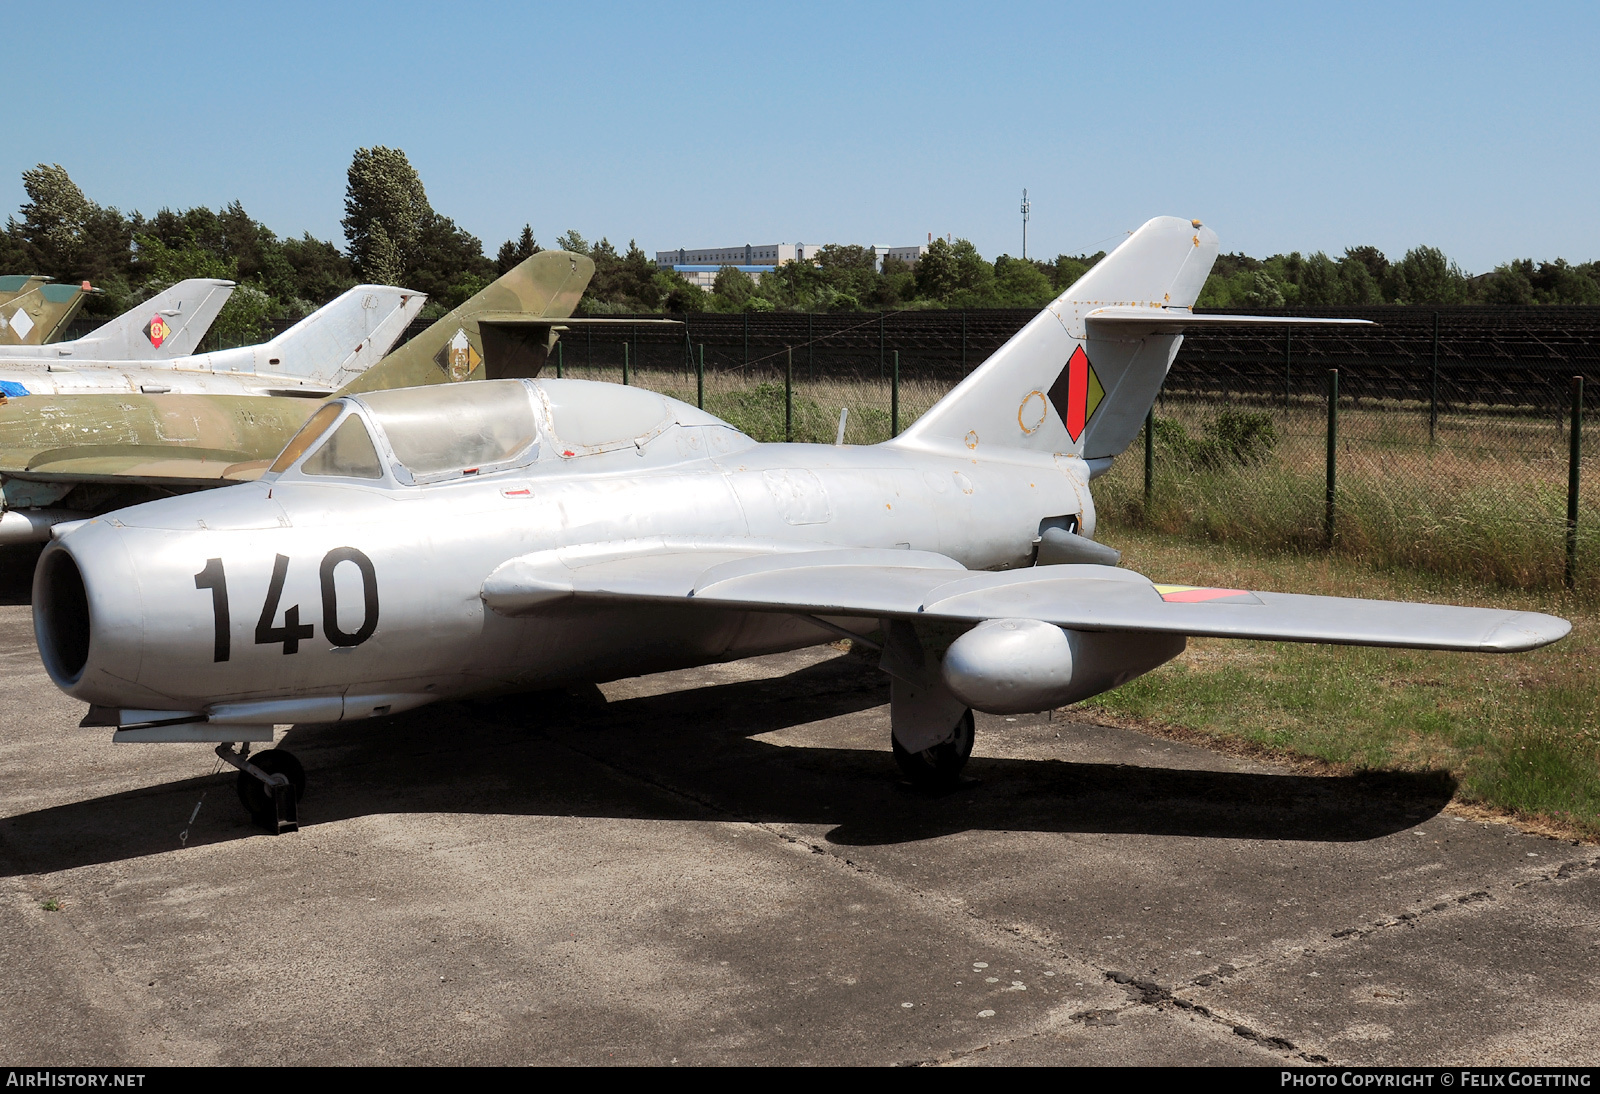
x=456 y=427
x=426 y=434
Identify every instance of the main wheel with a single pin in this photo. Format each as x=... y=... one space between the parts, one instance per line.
x=939 y=767
x=253 y=792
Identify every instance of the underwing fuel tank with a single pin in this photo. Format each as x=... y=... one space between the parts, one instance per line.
x=1018 y=666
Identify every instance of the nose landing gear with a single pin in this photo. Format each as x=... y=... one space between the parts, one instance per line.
x=270 y=786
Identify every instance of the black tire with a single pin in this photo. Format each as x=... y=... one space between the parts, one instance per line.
x=255 y=796
x=939 y=767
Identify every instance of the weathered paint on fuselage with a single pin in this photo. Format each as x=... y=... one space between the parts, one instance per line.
x=97 y=434
x=431 y=547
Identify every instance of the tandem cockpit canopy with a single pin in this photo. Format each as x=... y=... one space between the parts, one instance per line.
x=448 y=431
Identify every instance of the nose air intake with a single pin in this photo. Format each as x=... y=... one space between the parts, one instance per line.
x=61 y=617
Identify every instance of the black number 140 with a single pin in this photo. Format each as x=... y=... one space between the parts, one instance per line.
x=293 y=632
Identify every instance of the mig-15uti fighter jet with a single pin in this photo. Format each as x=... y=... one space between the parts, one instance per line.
x=508 y=535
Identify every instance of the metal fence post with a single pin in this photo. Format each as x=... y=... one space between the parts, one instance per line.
x=700 y=379
x=1288 y=366
x=1333 y=450
x=746 y=364
x=788 y=393
x=1149 y=456
x=963 y=343
x=894 y=398
x=559 y=358
x=880 y=347
x=624 y=363
x=811 y=346
x=588 y=334
x=1574 y=464
x=1433 y=397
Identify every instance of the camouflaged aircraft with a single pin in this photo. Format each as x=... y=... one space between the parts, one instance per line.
x=422 y=544
x=63 y=457
x=34 y=310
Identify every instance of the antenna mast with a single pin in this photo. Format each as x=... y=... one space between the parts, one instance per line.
x=1024 y=223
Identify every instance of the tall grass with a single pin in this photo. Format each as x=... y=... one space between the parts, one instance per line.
x=1486 y=504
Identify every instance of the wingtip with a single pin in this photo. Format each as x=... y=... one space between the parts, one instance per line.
x=1526 y=631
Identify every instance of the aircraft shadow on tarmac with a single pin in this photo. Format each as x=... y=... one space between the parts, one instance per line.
x=690 y=756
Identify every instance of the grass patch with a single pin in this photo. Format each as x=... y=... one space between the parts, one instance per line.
x=1488 y=502
x=1520 y=733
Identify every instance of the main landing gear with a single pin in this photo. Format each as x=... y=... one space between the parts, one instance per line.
x=938 y=767
x=270 y=786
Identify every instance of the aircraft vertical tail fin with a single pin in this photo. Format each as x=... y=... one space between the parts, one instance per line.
x=169 y=324
x=34 y=310
x=1065 y=384
x=341 y=340
x=504 y=330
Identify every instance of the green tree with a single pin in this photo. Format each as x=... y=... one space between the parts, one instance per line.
x=571 y=240
x=1019 y=283
x=732 y=290
x=386 y=211
x=1426 y=276
x=1559 y=283
x=64 y=234
x=1068 y=268
x=320 y=272
x=446 y=262
x=511 y=253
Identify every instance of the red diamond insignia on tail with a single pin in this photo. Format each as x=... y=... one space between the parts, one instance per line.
x=1077 y=393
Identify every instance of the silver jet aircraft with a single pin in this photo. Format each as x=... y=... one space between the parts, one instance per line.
x=507 y=535
x=151 y=349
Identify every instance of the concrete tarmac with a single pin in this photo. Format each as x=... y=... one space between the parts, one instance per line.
x=720 y=866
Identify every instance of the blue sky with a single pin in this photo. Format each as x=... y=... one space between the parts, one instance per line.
x=1473 y=127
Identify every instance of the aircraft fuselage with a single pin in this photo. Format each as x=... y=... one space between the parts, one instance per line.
x=369 y=595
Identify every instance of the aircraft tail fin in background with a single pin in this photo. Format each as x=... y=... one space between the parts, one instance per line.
x=169 y=324
x=34 y=310
x=504 y=331
x=1081 y=376
x=341 y=340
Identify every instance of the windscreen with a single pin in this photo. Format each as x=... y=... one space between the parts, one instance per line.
x=303 y=440
x=455 y=427
x=348 y=453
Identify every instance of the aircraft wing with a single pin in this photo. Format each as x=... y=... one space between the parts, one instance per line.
x=875 y=583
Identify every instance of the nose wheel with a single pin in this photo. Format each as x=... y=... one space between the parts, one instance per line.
x=270 y=786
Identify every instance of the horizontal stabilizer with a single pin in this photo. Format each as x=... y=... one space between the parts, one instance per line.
x=517 y=318
x=920 y=585
x=1178 y=319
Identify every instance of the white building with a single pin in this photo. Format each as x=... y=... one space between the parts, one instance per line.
x=700 y=266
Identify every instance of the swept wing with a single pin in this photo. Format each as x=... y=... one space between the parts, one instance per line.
x=925 y=586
